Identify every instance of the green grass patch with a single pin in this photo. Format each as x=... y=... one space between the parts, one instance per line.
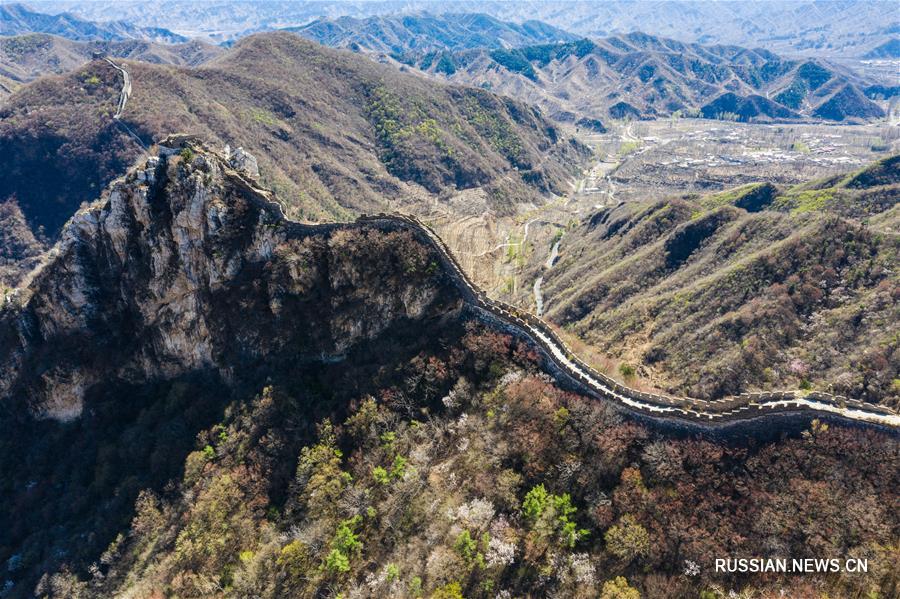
x=729 y=197
x=628 y=147
x=801 y=147
x=263 y=116
x=805 y=201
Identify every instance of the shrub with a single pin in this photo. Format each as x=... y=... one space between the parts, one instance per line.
x=337 y=562
x=344 y=544
x=618 y=588
x=209 y=453
x=398 y=467
x=217 y=523
x=294 y=559
x=380 y=475
x=535 y=503
x=627 y=370
x=627 y=540
x=319 y=476
x=467 y=548
x=393 y=572
x=345 y=539
x=550 y=515
x=451 y=590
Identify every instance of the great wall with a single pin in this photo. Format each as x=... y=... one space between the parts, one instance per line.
x=727 y=411
x=683 y=412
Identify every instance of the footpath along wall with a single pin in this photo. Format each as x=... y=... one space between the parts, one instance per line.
x=720 y=412
x=687 y=411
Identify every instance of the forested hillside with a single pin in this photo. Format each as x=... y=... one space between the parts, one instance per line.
x=335 y=134
x=238 y=406
x=756 y=287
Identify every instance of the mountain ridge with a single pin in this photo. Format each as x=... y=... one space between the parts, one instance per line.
x=17 y=19
x=174 y=417
x=423 y=33
x=752 y=288
x=24 y=58
x=652 y=77
x=805 y=28
x=307 y=113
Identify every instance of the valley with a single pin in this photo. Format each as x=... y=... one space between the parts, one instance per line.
x=336 y=134
x=639 y=160
x=684 y=156
x=515 y=254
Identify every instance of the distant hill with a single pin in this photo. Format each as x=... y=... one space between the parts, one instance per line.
x=745 y=108
x=408 y=36
x=792 y=27
x=24 y=58
x=642 y=76
x=18 y=19
x=336 y=134
x=889 y=49
x=848 y=101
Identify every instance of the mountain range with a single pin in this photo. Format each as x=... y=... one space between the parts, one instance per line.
x=26 y=57
x=17 y=19
x=635 y=75
x=642 y=76
x=790 y=27
x=335 y=133
x=401 y=35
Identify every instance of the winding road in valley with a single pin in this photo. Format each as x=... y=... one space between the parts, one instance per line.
x=538 y=296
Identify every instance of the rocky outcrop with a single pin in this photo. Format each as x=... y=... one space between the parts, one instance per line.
x=183 y=266
x=243 y=162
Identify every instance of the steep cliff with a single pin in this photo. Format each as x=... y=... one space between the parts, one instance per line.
x=181 y=289
x=184 y=266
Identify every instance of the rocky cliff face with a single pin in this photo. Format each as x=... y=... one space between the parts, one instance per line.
x=184 y=265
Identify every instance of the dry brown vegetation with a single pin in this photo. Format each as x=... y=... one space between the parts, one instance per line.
x=24 y=58
x=19 y=248
x=347 y=430
x=335 y=134
x=587 y=82
x=464 y=473
x=710 y=299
